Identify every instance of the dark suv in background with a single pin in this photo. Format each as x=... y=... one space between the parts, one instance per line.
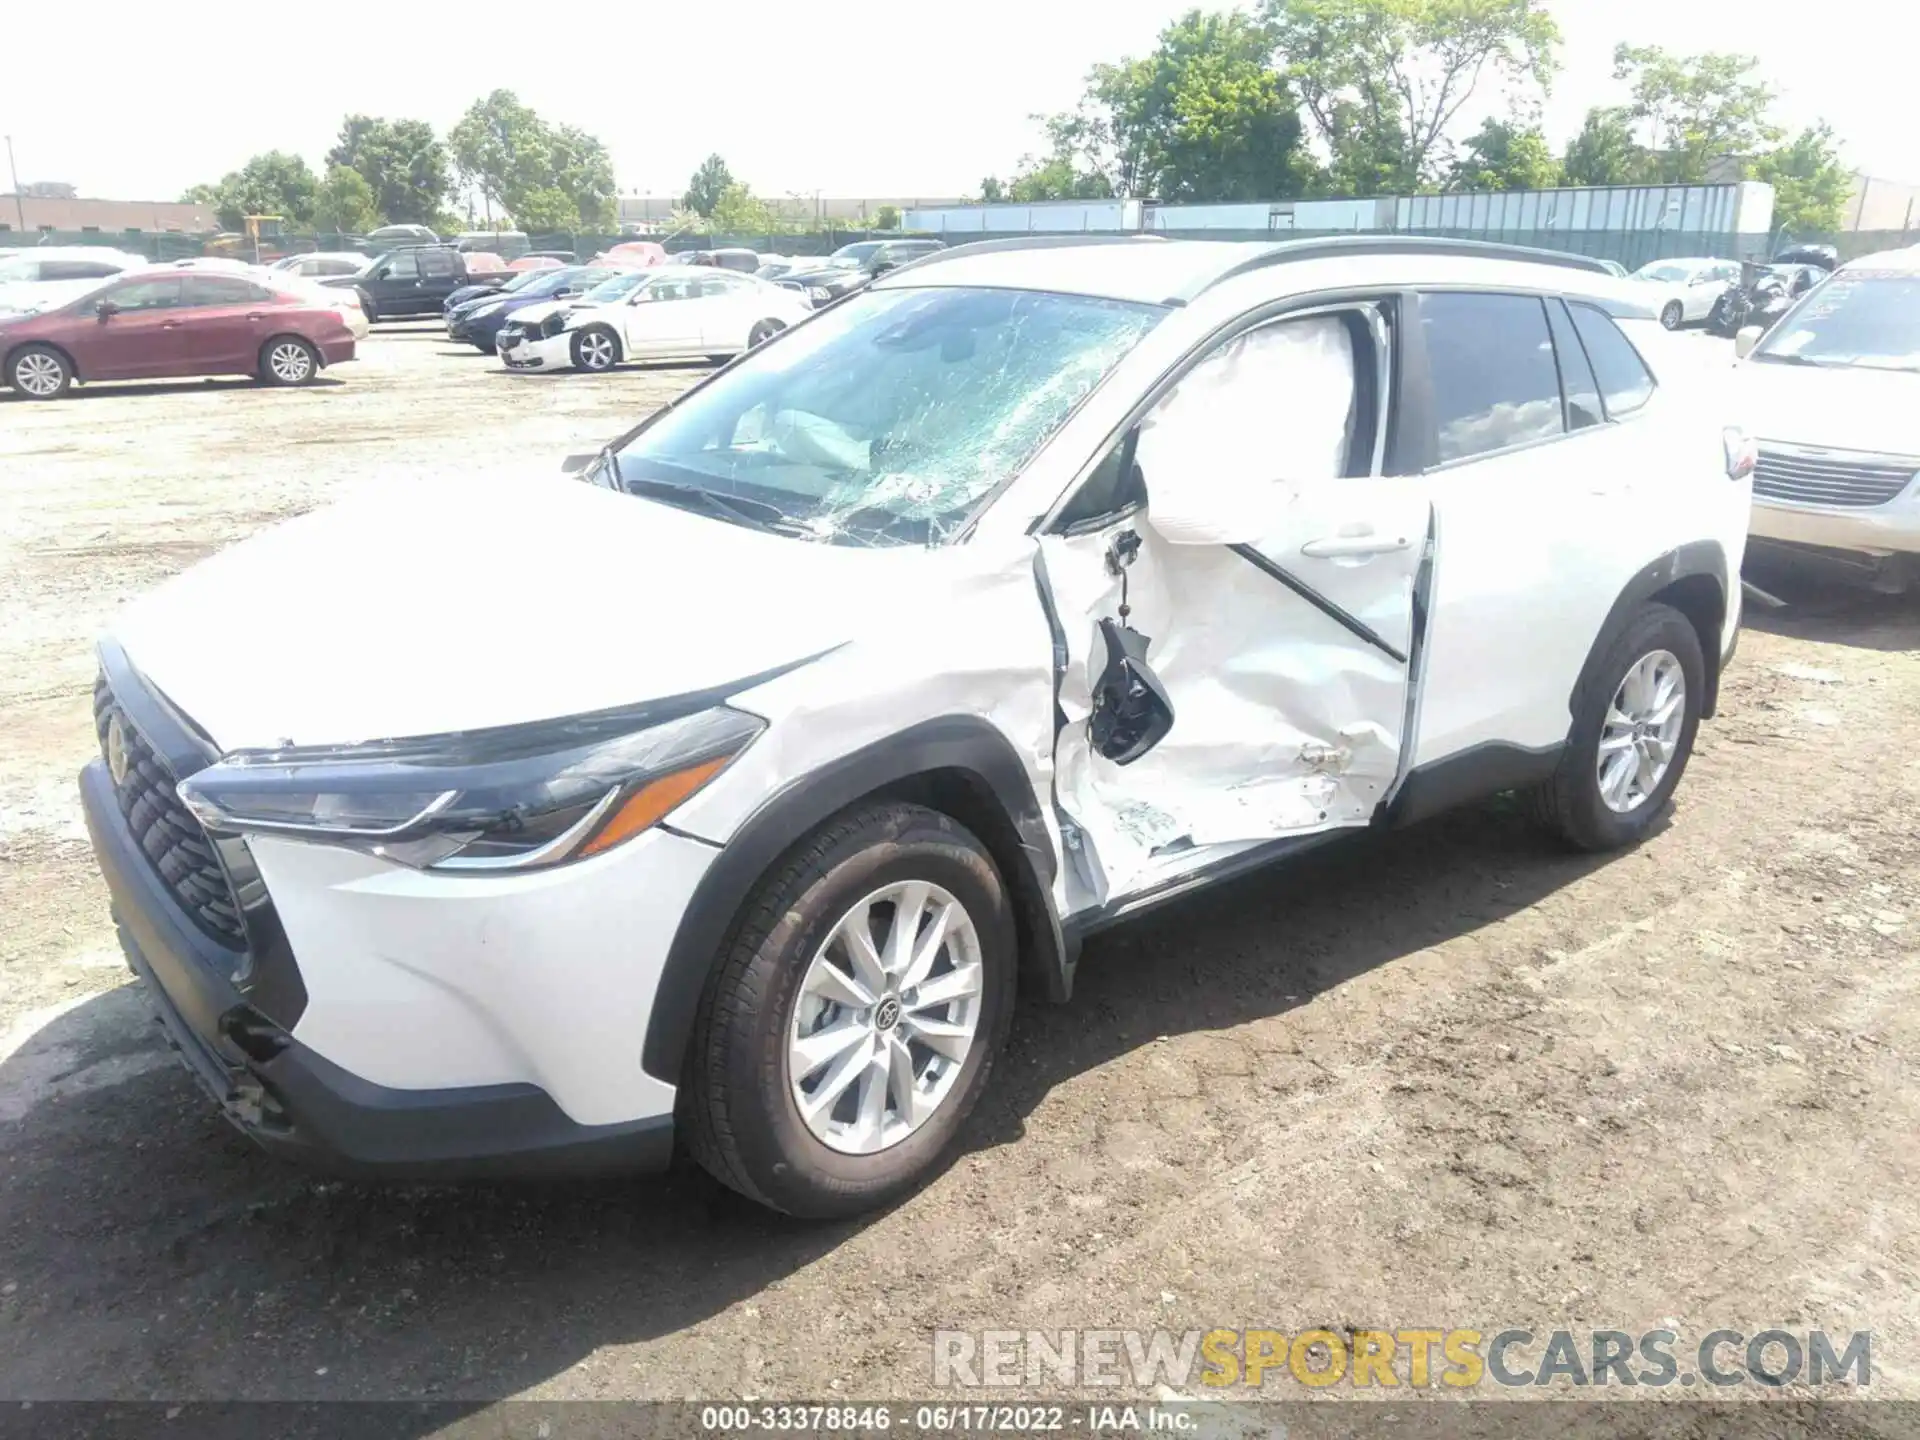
x=853 y=267
x=412 y=280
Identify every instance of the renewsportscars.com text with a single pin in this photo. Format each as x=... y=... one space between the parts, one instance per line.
x=1414 y=1357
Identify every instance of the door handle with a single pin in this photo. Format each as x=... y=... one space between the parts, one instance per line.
x=169 y=324
x=1339 y=547
x=256 y=315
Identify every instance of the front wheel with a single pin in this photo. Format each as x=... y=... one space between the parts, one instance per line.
x=367 y=308
x=40 y=372
x=852 y=1024
x=1673 y=315
x=596 y=349
x=1636 y=715
x=764 y=331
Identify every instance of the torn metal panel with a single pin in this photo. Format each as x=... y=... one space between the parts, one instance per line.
x=1287 y=721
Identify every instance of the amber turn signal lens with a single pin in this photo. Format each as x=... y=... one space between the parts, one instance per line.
x=650 y=802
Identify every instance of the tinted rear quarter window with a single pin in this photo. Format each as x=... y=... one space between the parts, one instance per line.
x=1495 y=383
x=1625 y=382
x=1576 y=375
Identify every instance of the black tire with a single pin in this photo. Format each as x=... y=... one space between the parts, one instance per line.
x=738 y=1109
x=366 y=306
x=485 y=349
x=1673 y=315
x=288 y=360
x=764 y=331
x=39 y=372
x=1570 y=804
x=592 y=358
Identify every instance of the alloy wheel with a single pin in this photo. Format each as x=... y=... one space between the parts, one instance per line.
x=289 y=362
x=1641 y=731
x=885 y=1018
x=596 y=351
x=38 y=375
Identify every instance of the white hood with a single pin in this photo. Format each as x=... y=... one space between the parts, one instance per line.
x=454 y=606
x=532 y=315
x=1845 y=407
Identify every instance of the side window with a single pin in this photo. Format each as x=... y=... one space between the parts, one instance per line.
x=404 y=265
x=1494 y=380
x=145 y=295
x=1283 y=401
x=1625 y=383
x=436 y=264
x=1577 y=385
x=219 y=290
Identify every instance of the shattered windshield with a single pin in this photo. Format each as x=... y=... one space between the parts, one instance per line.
x=886 y=419
x=1868 y=318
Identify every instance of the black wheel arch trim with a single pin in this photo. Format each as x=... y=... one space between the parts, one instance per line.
x=1697 y=558
x=966 y=745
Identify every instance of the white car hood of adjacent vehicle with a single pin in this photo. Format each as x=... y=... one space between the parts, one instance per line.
x=1853 y=407
x=44 y=294
x=460 y=605
x=532 y=315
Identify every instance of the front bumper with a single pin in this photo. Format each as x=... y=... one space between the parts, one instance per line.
x=374 y=1071
x=534 y=352
x=1891 y=529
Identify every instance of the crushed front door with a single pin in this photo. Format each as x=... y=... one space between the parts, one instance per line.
x=1285 y=660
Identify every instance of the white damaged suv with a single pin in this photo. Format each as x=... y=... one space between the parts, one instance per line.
x=734 y=794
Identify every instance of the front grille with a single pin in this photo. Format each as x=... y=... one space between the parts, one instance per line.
x=1831 y=479
x=168 y=835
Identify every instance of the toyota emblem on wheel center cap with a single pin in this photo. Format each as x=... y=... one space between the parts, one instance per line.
x=887 y=1014
x=117 y=749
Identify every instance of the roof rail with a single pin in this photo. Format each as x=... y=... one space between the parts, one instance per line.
x=1335 y=246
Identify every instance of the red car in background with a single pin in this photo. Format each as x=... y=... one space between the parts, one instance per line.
x=148 y=324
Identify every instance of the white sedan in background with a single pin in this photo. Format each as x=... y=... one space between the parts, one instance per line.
x=346 y=302
x=49 y=275
x=664 y=312
x=1691 y=285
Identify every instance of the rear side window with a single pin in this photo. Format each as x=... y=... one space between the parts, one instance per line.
x=1495 y=383
x=221 y=290
x=436 y=262
x=1625 y=382
x=1577 y=384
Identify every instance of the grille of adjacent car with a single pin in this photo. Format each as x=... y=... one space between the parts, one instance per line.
x=1834 y=479
x=168 y=835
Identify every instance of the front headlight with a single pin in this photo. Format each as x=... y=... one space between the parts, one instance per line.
x=512 y=798
x=555 y=323
x=819 y=292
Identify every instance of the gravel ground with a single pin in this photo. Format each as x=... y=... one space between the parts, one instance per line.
x=1447 y=1077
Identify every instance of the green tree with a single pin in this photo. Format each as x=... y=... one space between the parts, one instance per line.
x=739 y=211
x=1810 y=185
x=345 y=203
x=992 y=192
x=272 y=183
x=1605 y=152
x=708 y=185
x=887 y=217
x=402 y=160
x=1383 y=80
x=545 y=177
x=1697 y=109
x=1504 y=155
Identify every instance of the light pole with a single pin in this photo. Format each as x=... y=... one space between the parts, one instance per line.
x=19 y=201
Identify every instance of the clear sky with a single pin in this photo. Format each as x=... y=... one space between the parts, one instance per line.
x=801 y=96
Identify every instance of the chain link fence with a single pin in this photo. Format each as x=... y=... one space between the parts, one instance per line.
x=168 y=246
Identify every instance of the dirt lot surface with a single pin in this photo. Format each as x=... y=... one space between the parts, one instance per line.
x=1448 y=1077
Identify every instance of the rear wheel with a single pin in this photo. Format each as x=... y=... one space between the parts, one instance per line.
x=1672 y=315
x=764 y=331
x=39 y=372
x=288 y=360
x=366 y=306
x=1635 y=719
x=596 y=349
x=852 y=1024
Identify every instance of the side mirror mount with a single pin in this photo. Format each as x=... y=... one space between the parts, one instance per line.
x=574 y=464
x=106 y=309
x=1745 y=339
